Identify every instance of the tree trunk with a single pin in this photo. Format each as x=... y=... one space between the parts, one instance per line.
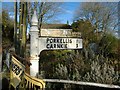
x=23 y=42
x=15 y=26
x=40 y=19
x=21 y=27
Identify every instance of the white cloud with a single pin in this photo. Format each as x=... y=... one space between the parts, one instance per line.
x=69 y=11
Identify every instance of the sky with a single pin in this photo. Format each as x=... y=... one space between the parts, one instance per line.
x=64 y=0
x=0 y=6
x=67 y=8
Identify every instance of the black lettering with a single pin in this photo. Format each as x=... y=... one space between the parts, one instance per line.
x=47 y=40
x=67 y=40
x=51 y=46
x=76 y=45
x=61 y=40
x=61 y=45
x=70 y=40
x=64 y=41
x=51 y=40
x=54 y=40
x=58 y=45
x=47 y=46
x=54 y=45
x=65 y=45
x=57 y=40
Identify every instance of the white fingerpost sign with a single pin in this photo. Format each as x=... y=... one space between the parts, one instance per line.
x=38 y=44
x=57 y=43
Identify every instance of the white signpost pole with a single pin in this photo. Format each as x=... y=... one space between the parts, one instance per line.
x=34 y=59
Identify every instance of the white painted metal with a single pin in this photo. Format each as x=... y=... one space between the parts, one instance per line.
x=82 y=83
x=54 y=43
x=34 y=46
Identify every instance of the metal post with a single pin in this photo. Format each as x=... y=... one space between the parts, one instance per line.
x=34 y=58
